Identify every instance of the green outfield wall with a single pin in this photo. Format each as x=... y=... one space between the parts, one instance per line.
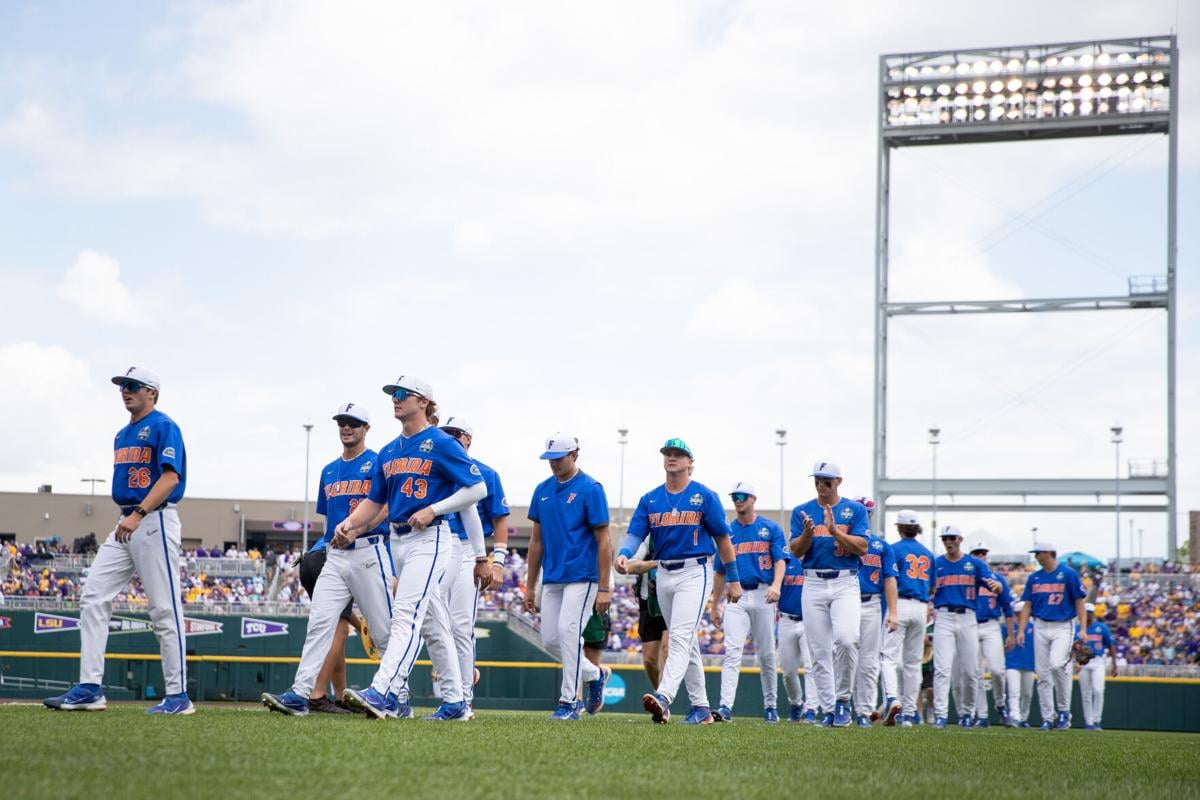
x=238 y=658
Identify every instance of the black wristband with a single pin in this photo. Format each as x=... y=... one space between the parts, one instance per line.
x=139 y=510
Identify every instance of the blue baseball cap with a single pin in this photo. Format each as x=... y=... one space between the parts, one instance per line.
x=677 y=444
x=559 y=445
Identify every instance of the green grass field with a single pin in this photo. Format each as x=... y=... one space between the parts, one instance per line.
x=233 y=751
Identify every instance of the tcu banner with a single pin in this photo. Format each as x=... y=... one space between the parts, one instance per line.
x=257 y=628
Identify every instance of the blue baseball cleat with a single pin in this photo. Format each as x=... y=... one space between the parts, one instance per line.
x=1003 y=712
x=403 y=708
x=964 y=721
x=795 y=713
x=723 y=714
x=699 y=715
x=178 y=704
x=1023 y=723
x=981 y=722
x=658 y=706
x=595 y=691
x=863 y=721
x=770 y=715
x=566 y=712
x=80 y=697
x=1046 y=726
x=841 y=714
x=1063 y=722
x=940 y=723
x=288 y=703
x=809 y=717
x=827 y=721
x=368 y=700
x=906 y=722
x=449 y=712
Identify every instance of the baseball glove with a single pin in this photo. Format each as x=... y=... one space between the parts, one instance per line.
x=1081 y=652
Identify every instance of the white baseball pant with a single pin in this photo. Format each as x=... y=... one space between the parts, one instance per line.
x=991 y=650
x=422 y=558
x=954 y=636
x=832 y=612
x=464 y=601
x=751 y=614
x=441 y=650
x=793 y=655
x=910 y=644
x=153 y=552
x=363 y=574
x=1020 y=694
x=889 y=663
x=682 y=593
x=566 y=608
x=870 y=642
x=1052 y=658
x=1091 y=690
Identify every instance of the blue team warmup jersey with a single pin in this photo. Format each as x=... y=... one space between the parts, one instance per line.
x=826 y=554
x=792 y=591
x=344 y=484
x=757 y=546
x=141 y=451
x=1021 y=657
x=490 y=507
x=1100 y=638
x=569 y=513
x=1052 y=595
x=956 y=582
x=412 y=473
x=683 y=524
x=990 y=605
x=914 y=569
x=878 y=564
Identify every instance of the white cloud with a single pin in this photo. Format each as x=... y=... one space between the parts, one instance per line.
x=93 y=285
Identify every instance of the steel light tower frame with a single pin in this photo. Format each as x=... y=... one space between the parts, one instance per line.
x=1023 y=93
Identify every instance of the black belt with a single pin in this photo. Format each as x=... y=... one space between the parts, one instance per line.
x=671 y=566
x=750 y=587
x=127 y=510
x=829 y=575
x=866 y=598
x=954 y=609
x=793 y=617
x=912 y=597
x=372 y=540
x=403 y=527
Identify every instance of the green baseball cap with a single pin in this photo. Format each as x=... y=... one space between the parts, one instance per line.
x=676 y=444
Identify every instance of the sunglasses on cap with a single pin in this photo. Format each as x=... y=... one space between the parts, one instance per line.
x=740 y=497
x=349 y=422
x=133 y=387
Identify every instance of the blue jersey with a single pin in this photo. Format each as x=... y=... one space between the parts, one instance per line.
x=878 y=564
x=990 y=605
x=412 y=473
x=914 y=568
x=142 y=450
x=490 y=507
x=684 y=524
x=1100 y=638
x=344 y=484
x=956 y=582
x=792 y=591
x=849 y=517
x=1021 y=656
x=1052 y=595
x=757 y=546
x=569 y=514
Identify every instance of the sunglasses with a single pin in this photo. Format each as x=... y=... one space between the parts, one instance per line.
x=401 y=394
x=740 y=497
x=133 y=387
x=823 y=482
x=348 y=422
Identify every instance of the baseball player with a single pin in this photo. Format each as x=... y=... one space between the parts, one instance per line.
x=903 y=647
x=1053 y=596
x=570 y=546
x=957 y=579
x=793 y=645
x=830 y=533
x=149 y=476
x=1019 y=674
x=1091 y=674
x=362 y=571
x=877 y=585
x=686 y=520
x=991 y=607
x=652 y=626
x=760 y=551
x=420 y=477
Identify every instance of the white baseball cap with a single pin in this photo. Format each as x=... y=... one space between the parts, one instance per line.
x=949 y=531
x=354 y=411
x=458 y=424
x=1089 y=607
x=559 y=445
x=1044 y=547
x=741 y=487
x=907 y=517
x=979 y=546
x=143 y=375
x=826 y=469
x=412 y=384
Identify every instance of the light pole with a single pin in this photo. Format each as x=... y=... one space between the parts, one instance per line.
x=1116 y=440
x=93 y=482
x=308 y=426
x=782 y=434
x=623 y=433
x=933 y=532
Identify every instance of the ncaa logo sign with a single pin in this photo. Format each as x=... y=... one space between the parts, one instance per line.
x=614 y=691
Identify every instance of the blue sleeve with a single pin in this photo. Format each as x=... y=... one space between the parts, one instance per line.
x=495 y=504
x=714 y=517
x=596 y=506
x=982 y=572
x=457 y=467
x=1106 y=636
x=860 y=525
x=322 y=508
x=1027 y=592
x=639 y=526
x=170 y=448
x=778 y=546
x=796 y=526
x=1075 y=588
x=889 y=562
x=1005 y=597
x=378 y=493
x=533 y=513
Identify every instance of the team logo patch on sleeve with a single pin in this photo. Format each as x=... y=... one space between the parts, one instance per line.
x=168 y=452
x=426 y=446
x=475 y=471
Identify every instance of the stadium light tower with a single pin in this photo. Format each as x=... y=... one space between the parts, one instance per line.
x=308 y=426
x=782 y=442
x=934 y=441
x=1020 y=94
x=623 y=433
x=1116 y=440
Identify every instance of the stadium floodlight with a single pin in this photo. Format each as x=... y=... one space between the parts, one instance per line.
x=1034 y=91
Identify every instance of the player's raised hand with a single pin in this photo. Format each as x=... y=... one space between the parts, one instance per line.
x=829 y=523
x=620 y=565
x=420 y=520
x=808 y=523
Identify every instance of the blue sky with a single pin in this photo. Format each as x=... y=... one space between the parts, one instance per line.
x=564 y=220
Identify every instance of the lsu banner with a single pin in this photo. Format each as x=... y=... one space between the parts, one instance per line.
x=53 y=623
